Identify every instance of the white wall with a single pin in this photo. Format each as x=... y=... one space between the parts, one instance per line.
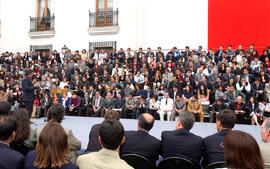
x=142 y=23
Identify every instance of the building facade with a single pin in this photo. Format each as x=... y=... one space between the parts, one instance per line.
x=88 y=24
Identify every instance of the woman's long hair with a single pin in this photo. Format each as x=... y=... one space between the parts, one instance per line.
x=242 y=151
x=52 y=146
x=23 y=125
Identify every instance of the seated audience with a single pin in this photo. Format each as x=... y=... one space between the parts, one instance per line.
x=253 y=110
x=242 y=151
x=111 y=136
x=194 y=106
x=265 y=148
x=179 y=105
x=218 y=107
x=181 y=142
x=74 y=104
x=239 y=108
x=97 y=105
x=265 y=107
x=52 y=147
x=93 y=143
x=25 y=139
x=10 y=159
x=130 y=106
x=141 y=107
x=149 y=146
x=56 y=114
x=212 y=145
x=154 y=105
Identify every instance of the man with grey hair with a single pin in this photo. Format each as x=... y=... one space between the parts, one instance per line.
x=181 y=142
x=265 y=148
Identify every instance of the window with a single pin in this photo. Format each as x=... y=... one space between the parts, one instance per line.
x=107 y=45
x=41 y=48
x=104 y=11
x=43 y=15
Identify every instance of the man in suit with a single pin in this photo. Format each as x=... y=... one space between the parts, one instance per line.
x=212 y=145
x=195 y=106
x=141 y=107
x=232 y=94
x=74 y=104
x=166 y=107
x=265 y=148
x=181 y=142
x=149 y=146
x=97 y=105
x=228 y=75
x=109 y=103
x=130 y=106
x=119 y=105
x=257 y=89
x=93 y=143
x=174 y=92
x=111 y=136
x=85 y=105
x=179 y=105
x=10 y=159
x=28 y=88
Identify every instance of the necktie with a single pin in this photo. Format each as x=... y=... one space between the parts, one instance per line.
x=166 y=101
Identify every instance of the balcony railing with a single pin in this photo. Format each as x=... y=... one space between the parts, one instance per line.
x=42 y=23
x=103 y=18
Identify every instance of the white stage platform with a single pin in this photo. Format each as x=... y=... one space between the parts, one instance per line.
x=82 y=125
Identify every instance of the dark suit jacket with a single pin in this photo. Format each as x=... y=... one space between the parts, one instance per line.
x=10 y=159
x=30 y=158
x=250 y=109
x=255 y=89
x=119 y=104
x=28 y=90
x=93 y=143
x=141 y=143
x=171 y=93
x=83 y=102
x=212 y=149
x=109 y=104
x=226 y=77
x=181 y=143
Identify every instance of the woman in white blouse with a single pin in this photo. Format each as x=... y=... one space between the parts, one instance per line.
x=154 y=105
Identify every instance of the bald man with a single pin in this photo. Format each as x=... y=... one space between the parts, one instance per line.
x=140 y=142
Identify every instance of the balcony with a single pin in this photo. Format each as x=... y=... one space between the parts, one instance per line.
x=103 y=22
x=42 y=27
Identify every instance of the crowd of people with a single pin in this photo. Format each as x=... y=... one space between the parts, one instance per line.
x=52 y=146
x=135 y=82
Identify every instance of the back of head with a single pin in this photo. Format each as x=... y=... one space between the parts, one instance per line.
x=187 y=120
x=146 y=121
x=112 y=114
x=5 y=108
x=56 y=113
x=52 y=146
x=23 y=124
x=242 y=151
x=227 y=118
x=111 y=133
x=8 y=125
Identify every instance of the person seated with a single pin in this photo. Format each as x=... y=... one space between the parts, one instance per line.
x=10 y=159
x=212 y=149
x=149 y=146
x=180 y=142
x=239 y=108
x=56 y=114
x=238 y=146
x=141 y=107
x=97 y=105
x=265 y=148
x=50 y=151
x=119 y=105
x=85 y=105
x=25 y=139
x=253 y=110
x=194 y=106
x=265 y=108
x=74 y=104
x=217 y=107
x=93 y=143
x=188 y=93
x=154 y=105
x=111 y=136
x=179 y=105
x=166 y=107
x=130 y=106
x=109 y=103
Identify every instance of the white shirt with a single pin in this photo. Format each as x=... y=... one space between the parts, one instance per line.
x=168 y=106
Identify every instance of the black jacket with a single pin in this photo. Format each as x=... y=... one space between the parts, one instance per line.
x=28 y=89
x=250 y=109
x=93 y=143
x=181 y=143
x=141 y=143
x=10 y=159
x=212 y=148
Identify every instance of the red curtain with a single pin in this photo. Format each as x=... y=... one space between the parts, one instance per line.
x=239 y=22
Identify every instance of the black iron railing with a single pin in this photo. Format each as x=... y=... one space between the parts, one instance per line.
x=42 y=23
x=103 y=18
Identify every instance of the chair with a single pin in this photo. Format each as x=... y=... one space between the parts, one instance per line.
x=176 y=163
x=219 y=164
x=137 y=161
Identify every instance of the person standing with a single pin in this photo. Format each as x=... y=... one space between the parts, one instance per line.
x=28 y=91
